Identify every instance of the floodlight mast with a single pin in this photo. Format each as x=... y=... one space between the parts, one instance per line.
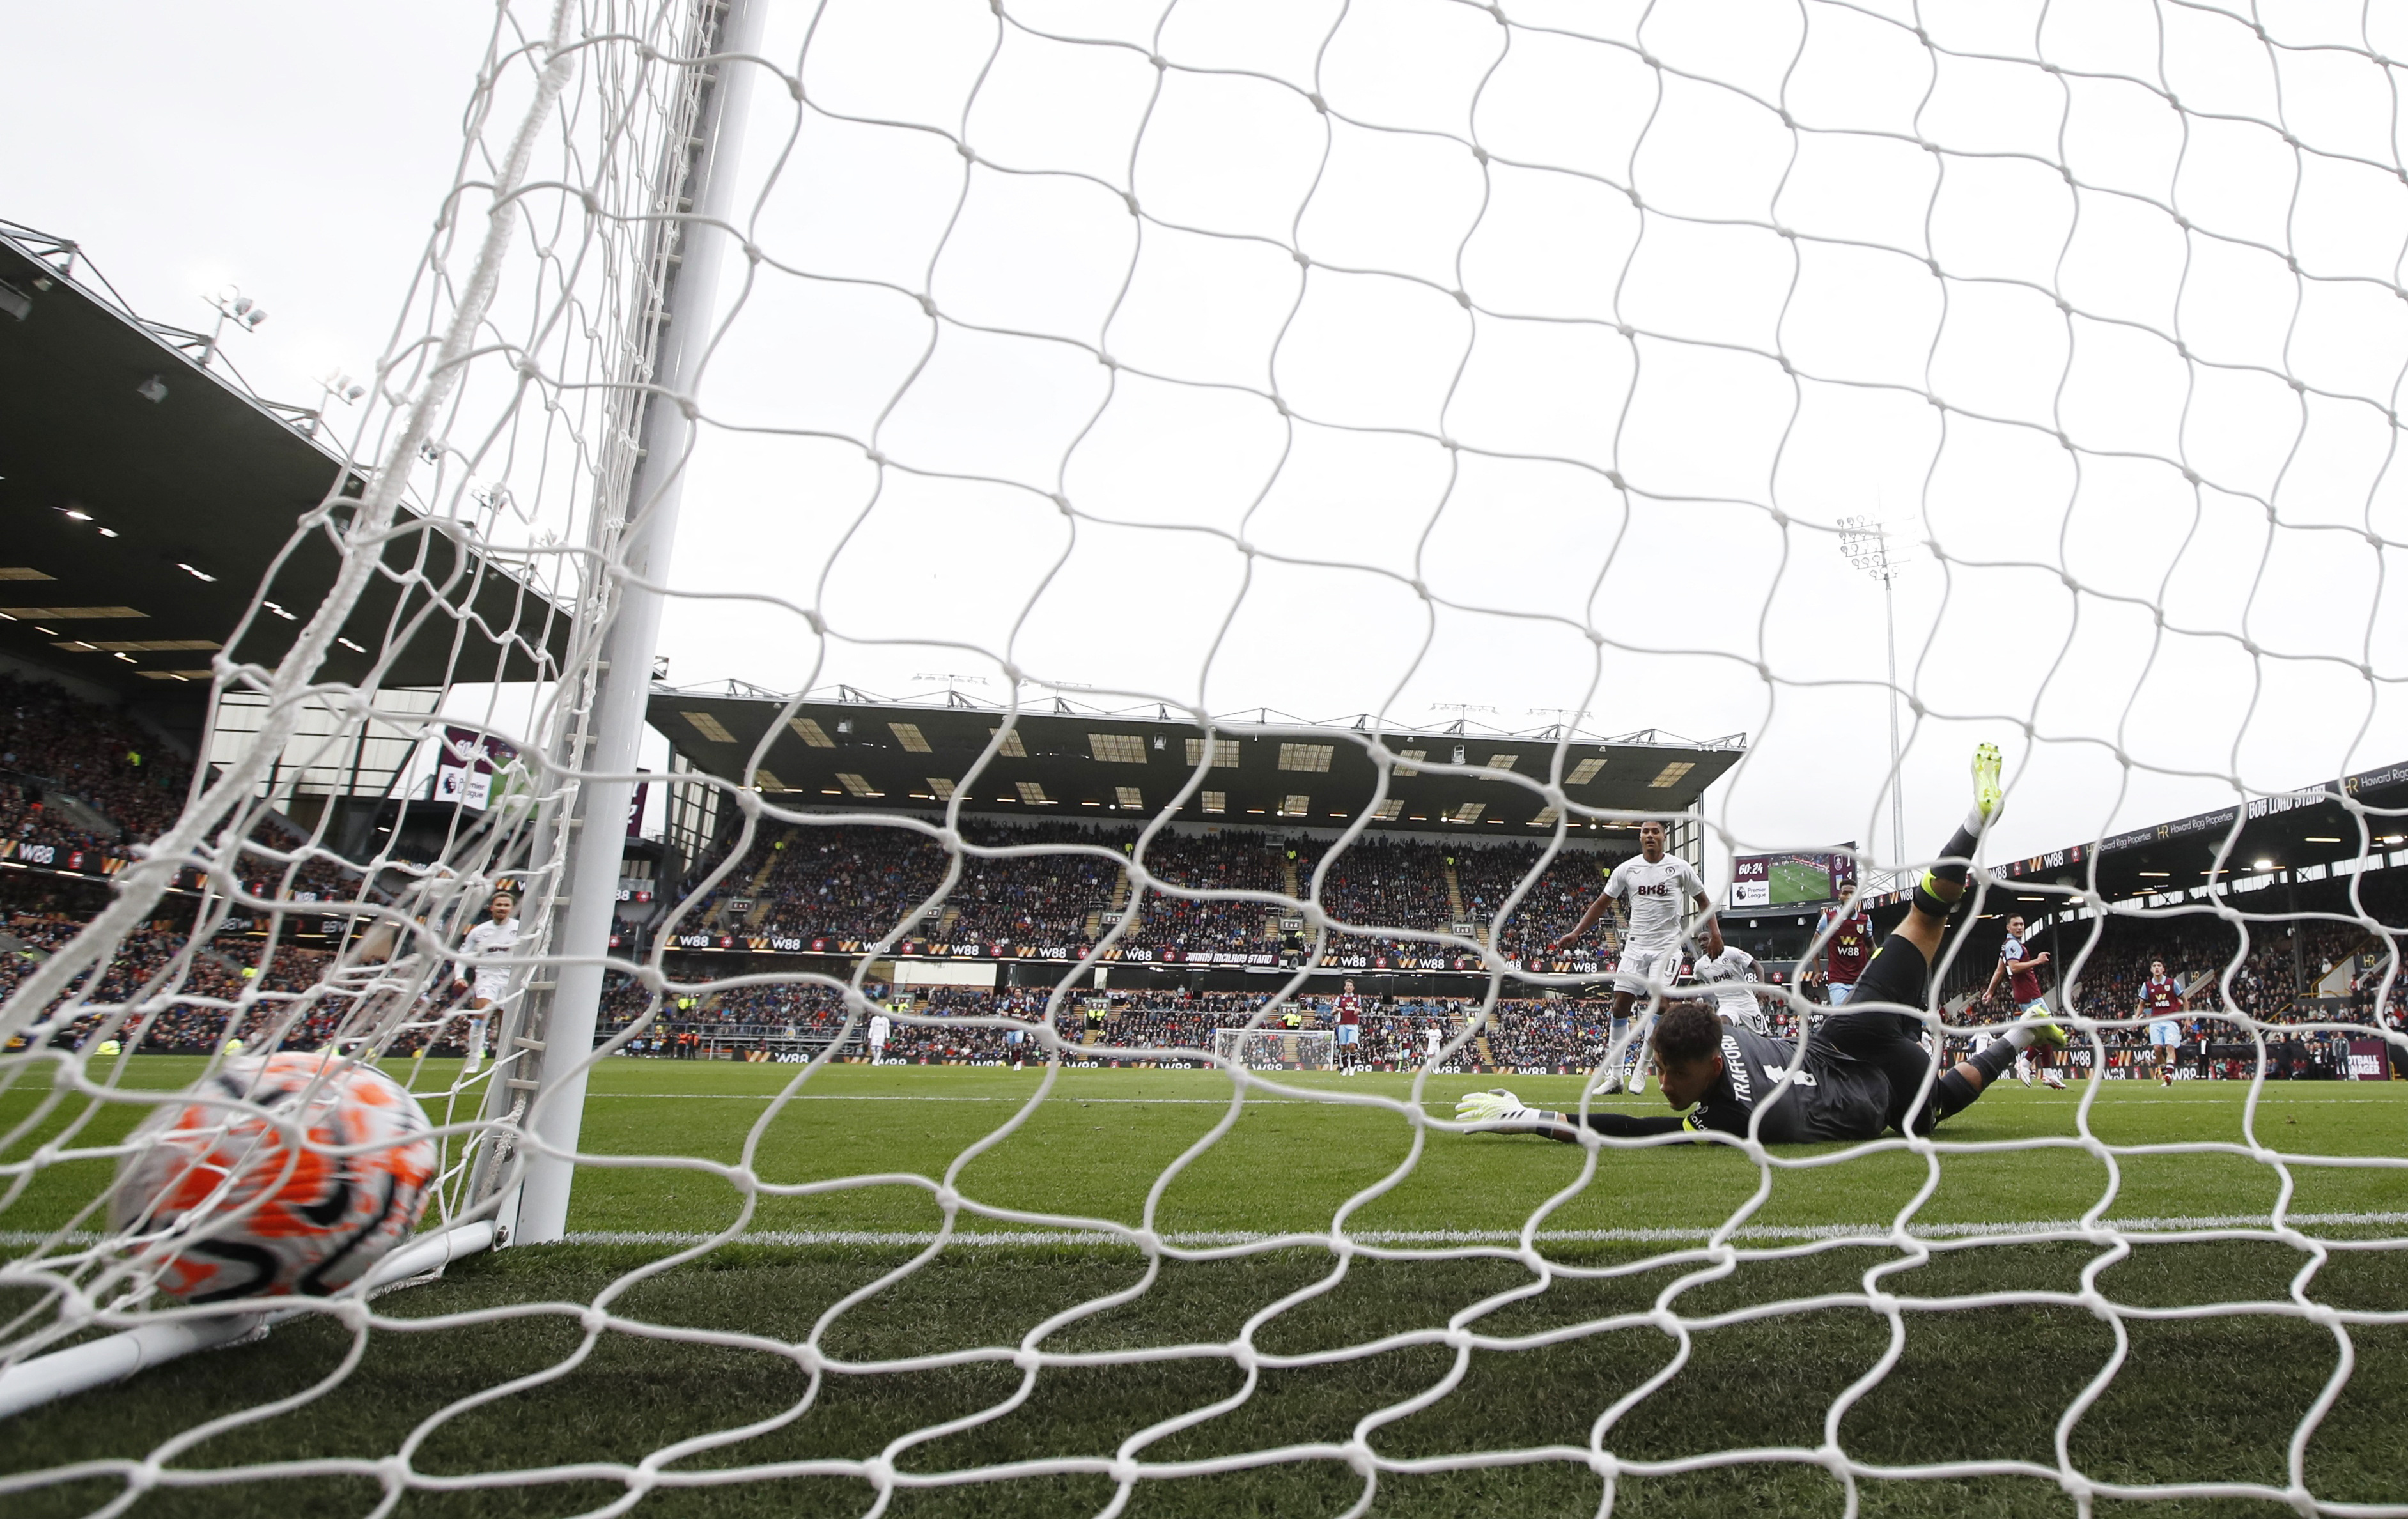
x=1866 y=543
x=605 y=746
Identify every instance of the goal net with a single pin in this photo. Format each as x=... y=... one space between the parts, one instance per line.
x=1304 y=464
x=1275 y=1049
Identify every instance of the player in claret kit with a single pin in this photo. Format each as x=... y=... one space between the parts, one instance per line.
x=1350 y=1030
x=1846 y=952
x=1657 y=890
x=2020 y=969
x=2161 y=1003
x=1861 y=1072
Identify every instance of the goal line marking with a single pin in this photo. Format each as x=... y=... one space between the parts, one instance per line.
x=1875 y=1232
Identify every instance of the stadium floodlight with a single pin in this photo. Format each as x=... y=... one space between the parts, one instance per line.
x=1865 y=541
x=231 y=305
x=333 y=386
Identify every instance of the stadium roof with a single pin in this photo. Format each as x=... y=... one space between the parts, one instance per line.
x=855 y=753
x=186 y=496
x=2312 y=834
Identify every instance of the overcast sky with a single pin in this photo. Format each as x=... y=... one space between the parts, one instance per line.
x=2164 y=568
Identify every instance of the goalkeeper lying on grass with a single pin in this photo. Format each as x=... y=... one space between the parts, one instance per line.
x=1863 y=1066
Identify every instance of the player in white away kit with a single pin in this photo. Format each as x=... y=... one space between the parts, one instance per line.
x=1730 y=973
x=1656 y=890
x=880 y=1027
x=486 y=983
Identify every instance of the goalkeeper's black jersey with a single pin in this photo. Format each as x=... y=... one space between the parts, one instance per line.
x=1831 y=1098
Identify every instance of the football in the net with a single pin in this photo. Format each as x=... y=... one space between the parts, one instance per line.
x=291 y=1174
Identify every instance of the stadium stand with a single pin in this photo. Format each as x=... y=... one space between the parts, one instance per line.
x=78 y=775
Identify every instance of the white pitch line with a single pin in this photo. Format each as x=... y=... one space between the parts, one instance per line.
x=1198 y=1102
x=1209 y=1238
x=1877 y=1232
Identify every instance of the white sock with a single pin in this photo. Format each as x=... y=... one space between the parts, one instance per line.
x=2020 y=1037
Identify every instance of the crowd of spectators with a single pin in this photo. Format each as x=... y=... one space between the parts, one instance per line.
x=178 y=1002
x=1548 y=911
x=853 y=882
x=52 y=741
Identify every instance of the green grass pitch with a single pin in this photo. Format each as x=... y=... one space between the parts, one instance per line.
x=1795 y=881
x=2211 y=1398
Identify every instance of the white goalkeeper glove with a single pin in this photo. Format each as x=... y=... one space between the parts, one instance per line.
x=1498 y=1109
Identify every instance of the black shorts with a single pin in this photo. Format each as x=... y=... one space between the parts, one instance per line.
x=1890 y=1043
x=1898 y=973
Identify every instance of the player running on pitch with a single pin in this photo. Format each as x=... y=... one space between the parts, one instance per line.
x=2020 y=971
x=1862 y=1071
x=1656 y=890
x=2161 y=1003
x=498 y=935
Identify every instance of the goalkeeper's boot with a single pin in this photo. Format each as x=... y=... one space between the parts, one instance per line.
x=1989 y=793
x=2045 y=1031
x=2024 y=1069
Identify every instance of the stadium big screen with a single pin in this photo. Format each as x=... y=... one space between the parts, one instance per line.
x=1793 y=879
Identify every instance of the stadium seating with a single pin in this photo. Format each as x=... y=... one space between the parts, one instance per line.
x=55 y=742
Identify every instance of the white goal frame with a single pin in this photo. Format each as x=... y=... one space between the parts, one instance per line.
x=1276 y=1049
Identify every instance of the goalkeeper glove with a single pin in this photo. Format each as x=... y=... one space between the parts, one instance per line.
x=1499 y=1109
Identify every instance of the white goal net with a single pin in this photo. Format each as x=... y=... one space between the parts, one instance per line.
x=1507 y=389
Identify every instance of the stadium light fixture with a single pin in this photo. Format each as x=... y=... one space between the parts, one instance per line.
x=153 y=390
x=1865 y=541
x=199 y=574
x=233 y=305
x=2263 y=865
x=77 y=514
x=2318 y=840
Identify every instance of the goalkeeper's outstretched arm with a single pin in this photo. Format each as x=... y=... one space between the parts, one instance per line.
x=1502 y=1113
x=1691 y=1072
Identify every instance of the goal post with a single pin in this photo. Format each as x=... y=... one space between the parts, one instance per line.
x=633 y=536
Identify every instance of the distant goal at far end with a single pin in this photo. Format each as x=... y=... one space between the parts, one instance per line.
x=1276 y=1049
